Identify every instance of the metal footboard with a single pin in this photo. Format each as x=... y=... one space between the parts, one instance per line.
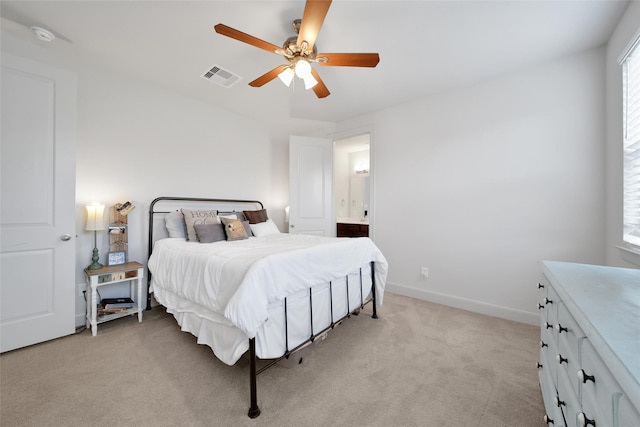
x=254 y=410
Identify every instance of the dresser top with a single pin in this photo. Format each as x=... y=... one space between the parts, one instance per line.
x=605 y=301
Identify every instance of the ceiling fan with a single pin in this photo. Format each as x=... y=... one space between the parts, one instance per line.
x=300 y=51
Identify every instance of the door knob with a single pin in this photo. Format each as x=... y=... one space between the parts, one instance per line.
x=292 y=226
x=65 y=237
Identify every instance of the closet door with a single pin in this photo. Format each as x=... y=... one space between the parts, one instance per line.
x=37 y=213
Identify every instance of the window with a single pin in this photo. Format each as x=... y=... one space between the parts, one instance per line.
x=631 y=147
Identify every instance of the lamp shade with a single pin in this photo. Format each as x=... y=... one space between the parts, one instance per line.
x=303 y=68
x=286 y=76
x=309 y=82
x=95 y=220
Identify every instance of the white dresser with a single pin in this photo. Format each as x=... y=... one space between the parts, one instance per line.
x=590 y=345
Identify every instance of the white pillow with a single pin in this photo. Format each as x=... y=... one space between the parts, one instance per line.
x=264 y=228
x=174 y=221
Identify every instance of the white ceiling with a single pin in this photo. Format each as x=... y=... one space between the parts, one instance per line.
x=425 y=46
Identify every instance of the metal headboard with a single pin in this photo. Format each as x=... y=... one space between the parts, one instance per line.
x=163 y=203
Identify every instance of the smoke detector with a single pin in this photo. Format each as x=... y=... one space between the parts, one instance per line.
x=42 y=34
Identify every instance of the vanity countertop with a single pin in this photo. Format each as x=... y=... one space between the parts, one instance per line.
x=348 y=220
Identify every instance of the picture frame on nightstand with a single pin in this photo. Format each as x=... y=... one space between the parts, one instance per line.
x=117 y=258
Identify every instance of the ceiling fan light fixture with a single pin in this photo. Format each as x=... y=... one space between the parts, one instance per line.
x=309 y=82
x=286 y=76
x=303 y=68
x=300 y=51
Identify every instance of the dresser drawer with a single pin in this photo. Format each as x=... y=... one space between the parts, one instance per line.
x=594 y=412
x=547 y=304
x=597 y=386
x=567 y=400
x=548 y=388
x=625 y=413
x=569 y=337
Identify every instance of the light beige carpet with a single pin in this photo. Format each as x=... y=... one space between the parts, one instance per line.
x=419 y=364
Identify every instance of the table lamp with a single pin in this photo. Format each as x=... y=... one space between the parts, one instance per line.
x=95 y=223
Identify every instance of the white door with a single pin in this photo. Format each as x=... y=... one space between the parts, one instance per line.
x=37 y=212
x=311 y=186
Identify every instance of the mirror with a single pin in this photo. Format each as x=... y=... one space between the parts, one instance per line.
x=359 y=197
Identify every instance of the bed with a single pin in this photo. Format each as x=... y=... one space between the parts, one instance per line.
x=228 y=276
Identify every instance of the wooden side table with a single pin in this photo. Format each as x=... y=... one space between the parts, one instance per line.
x=131 y=272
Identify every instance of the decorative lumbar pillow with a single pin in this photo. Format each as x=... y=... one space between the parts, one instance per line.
x=174 y=221
x=265 y=228
x=256 y=217
x=209 y=233
x=234 y=229
x=192 y=217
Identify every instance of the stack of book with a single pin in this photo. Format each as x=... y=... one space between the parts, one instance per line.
x=115 y=305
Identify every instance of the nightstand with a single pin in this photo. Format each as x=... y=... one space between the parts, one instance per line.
x=131 y=272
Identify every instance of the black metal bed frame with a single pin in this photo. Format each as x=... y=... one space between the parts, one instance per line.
x=254 y=410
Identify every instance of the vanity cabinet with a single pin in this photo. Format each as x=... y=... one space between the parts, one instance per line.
x=352 y=230
x=589 y=367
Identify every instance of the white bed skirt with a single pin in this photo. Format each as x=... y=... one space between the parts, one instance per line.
x=229 y=343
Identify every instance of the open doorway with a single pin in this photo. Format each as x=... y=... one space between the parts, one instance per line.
x=352 y=185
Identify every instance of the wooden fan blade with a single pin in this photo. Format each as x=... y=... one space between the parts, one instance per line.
x=312 y=19
x=348 y=59
x=320 y=89
x=268 y=76
x=246 y=38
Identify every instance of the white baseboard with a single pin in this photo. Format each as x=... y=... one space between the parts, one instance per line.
x=465 y=304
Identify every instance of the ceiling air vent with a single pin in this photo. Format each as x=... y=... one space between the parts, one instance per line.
x=221 y=77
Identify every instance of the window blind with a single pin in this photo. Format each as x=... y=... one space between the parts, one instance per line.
x=631 y=147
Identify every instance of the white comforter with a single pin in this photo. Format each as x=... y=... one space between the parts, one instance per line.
x=239 y=279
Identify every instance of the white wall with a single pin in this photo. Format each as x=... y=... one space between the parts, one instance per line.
x=628 y=27
x=481 y=183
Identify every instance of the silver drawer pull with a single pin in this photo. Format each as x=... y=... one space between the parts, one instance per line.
x=584 y=377
x=584 y=421
x=548 y=420
x=561 y=328
x=561 y=359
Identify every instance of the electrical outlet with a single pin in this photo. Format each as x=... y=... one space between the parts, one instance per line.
x=82 y=287
x=424 y=272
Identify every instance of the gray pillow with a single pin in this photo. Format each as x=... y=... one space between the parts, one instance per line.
x=209 y=233
x=247 y=228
